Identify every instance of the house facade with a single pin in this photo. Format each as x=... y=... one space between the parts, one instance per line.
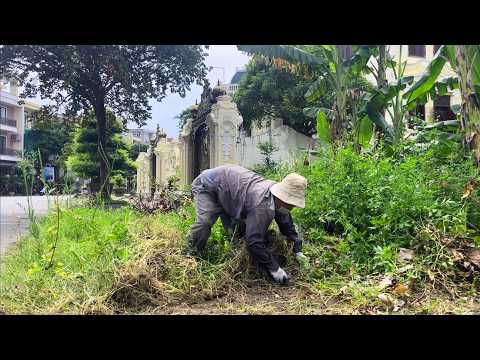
x=14 y=118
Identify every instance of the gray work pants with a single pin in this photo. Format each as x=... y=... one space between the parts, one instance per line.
x=207 y=211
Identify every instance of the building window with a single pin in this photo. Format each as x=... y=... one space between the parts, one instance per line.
x=3 y=144
x=435 y=48
x=3 y=112
x=28 y=119
x=416 y=50
x=442 y=110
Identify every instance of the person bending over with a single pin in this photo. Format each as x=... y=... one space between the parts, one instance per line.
x=234 y=193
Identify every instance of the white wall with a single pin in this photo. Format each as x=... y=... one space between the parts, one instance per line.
x=288 y=141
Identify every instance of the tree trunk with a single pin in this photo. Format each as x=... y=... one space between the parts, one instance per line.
x=462 y=78
x=101 y=116
x=470 y=113
x=381 y=76
x=381 y=82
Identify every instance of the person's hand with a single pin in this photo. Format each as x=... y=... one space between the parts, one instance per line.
x=280 y=276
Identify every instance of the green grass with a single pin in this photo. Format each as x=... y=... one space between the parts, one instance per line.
x=91 y=245
x=123 y=262
x=360 y=209
x=102 y=253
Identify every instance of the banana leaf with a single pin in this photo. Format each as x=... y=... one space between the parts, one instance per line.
x=456 y=108
x=430 y=75
x=312 y=112
x=323 y=128
x=426 y=135
x=377 y=118
x=448 y=126
x=380 y=98
x=440 y=88
x=474 y=56
x=289 y=53
x=365 y=131
x=360 y=58
x=316 y=90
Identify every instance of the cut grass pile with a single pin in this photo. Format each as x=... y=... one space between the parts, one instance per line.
x=160 y=275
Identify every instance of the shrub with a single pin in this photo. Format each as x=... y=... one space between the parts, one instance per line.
x=361 y=208
x=267 y=149
x=118 y=183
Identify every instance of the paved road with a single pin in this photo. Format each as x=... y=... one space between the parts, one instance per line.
x=14 y=218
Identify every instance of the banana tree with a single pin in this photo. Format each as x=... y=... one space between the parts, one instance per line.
x=377 y=67
x=332 y=72
x=387 y=99
x=465 y=62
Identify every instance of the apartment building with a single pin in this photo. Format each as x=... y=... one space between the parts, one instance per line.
x=235 y=81
x=13 y=120
x=139 y=136
x=232 y=87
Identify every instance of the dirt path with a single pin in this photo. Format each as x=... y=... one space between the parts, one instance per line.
x=258 y=297
x=262 y=298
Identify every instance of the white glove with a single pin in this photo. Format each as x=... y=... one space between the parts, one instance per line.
x=280 y=276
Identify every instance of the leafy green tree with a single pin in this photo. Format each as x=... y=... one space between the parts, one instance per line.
x=85 y=158
x=268 y=92
x=124 y=78
x=186 y=114
x=50 y=136
x=136 y=149
x=267 y=149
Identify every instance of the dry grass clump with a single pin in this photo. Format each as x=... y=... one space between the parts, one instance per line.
x=161 y=275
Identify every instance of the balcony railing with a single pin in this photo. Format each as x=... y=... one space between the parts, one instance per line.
x=9 y=122
x=8 y=151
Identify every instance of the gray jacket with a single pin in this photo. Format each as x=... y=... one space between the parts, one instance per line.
x=245 y=195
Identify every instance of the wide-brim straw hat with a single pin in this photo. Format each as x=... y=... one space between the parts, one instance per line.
x=291 y=190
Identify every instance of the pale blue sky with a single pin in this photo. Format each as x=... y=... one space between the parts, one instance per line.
x=163 y=113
